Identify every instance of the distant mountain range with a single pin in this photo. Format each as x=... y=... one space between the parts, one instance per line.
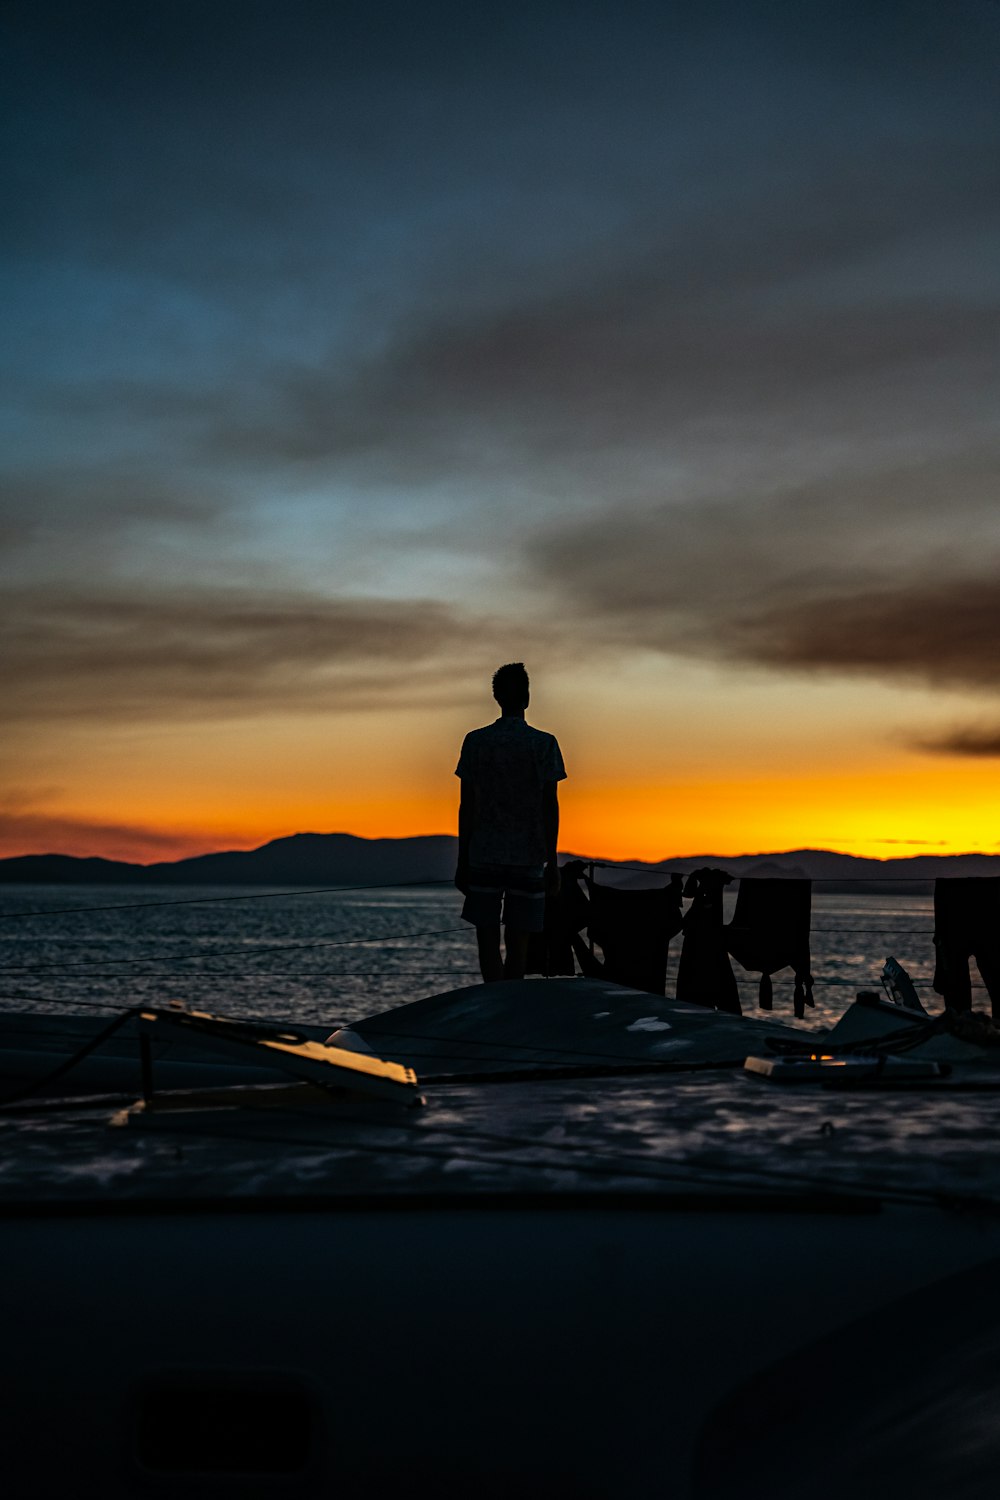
x=322 y=859
x=301 y=859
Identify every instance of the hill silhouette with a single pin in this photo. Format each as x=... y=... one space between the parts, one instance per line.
x=317 y=859
x=300 y=859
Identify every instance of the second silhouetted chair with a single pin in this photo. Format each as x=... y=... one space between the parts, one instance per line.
x=634 y=929
x=770 y=931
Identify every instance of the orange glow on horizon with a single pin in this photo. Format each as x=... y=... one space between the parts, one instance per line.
x=635 y=791
x=941 y=810
x=875 y=815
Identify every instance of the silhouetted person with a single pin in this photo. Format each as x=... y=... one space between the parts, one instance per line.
x=508 y=826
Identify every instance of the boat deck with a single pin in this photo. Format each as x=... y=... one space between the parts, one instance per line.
x=657 y=1135
x=544 y=1088
x=652 y=1273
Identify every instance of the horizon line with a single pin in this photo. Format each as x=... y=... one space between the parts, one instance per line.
x=564 y=854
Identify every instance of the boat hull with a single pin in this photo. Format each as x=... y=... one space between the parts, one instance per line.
x=532 y=1348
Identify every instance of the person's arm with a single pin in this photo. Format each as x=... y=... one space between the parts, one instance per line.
x=465 y=809
x=550 y=818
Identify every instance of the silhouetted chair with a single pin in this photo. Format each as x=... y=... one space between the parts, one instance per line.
x=967 y=925
x=770 y=931
x=704 y=973
x=633 y=929
x=551 y=951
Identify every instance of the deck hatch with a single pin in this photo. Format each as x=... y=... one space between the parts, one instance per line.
x=307 y=1060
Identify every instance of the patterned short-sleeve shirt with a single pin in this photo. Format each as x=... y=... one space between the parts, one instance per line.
x=508 y=763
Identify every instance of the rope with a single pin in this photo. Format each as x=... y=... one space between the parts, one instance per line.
x=243 y=951
x=322 y=890
x=604 y=1064
x=276 y=976
x=97 y=968
x=70 y=1062
x=77 y=1003
x=413 y=884
x=662 y=869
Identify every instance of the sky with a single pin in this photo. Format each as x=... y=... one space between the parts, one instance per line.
x=354 y=349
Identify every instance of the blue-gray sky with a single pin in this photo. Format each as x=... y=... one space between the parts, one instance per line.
x=353 y=347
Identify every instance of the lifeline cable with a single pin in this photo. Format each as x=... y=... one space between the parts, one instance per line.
x=389 y=885
x=242 y=952
x=322 y=890
x=70 y=1062
x=275 y=976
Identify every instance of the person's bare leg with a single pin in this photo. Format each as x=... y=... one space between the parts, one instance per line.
x=490 y=962
x=516 y=943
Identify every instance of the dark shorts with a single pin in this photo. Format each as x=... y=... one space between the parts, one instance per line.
x=513 y=894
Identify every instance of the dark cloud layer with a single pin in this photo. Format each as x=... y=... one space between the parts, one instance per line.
x=615 y=366
x=58 y=507
x=943 y=632
x=729 y=163
x=633 y=267
x=163 y=653
x=974 y=741
x=654 y=565
x=697 y=317
x=818 y=581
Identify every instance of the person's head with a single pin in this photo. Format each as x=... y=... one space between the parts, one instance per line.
x=510 y=687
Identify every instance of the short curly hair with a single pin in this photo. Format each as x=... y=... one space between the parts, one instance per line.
x=510 y=683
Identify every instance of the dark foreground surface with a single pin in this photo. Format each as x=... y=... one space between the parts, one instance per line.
x=683 y=1283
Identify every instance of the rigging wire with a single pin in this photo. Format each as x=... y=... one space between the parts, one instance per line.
x=70 y=1062
x=249 y=976
x=292 y=891
x=748 y=980
x=322 y=890
x=94 y=968
x=261 y=1028
x=722 y=1174
x=243 y=951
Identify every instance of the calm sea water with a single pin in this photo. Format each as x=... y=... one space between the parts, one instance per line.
x=334 y=958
